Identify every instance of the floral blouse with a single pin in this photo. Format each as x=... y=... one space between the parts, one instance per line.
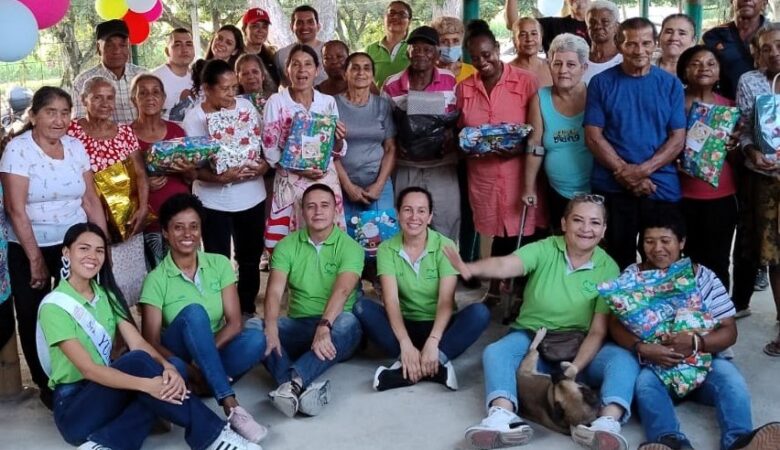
x=105 y=152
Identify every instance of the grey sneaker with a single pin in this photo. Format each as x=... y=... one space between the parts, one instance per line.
x=314 y=398
x=285 y=398
x=89 y=445
x=244 y=424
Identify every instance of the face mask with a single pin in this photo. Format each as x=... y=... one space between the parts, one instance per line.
x=450 y=54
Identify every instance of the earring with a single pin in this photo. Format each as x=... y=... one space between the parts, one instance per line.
x=65 y=270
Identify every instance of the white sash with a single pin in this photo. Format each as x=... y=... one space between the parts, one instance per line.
x=100 y=338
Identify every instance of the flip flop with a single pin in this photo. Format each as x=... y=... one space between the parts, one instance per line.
x=772 y=348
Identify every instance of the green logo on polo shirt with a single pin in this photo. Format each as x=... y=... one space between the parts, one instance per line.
x=431 y=274
x=330 y=268
x=588 y=286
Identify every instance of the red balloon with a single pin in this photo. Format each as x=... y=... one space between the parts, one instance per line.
x=138 y=27
x=154 y=13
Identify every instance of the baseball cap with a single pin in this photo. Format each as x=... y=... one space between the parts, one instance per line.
x=116 y=27
x=424 y=33
x=255 y=15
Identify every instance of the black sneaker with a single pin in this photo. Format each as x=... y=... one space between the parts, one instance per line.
x=762 y=280
x=446 y=376
x=667 y=442
x=766 y=437
x=390 y=377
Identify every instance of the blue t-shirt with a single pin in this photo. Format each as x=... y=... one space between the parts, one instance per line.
x=636 y=114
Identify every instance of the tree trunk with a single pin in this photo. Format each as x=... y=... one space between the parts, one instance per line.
x=279 y=33
x=75 y=57
x=328 y=11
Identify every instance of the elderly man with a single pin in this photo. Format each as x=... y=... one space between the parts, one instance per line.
x=635 y=128
x=424 y=89
x=574 y=23
x=603 y=20
x=113 y=47
x=176 y=75
x=255 y=26
x=305 y=24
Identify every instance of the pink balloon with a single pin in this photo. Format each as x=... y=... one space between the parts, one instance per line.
x=47 y=12
x=154 y=13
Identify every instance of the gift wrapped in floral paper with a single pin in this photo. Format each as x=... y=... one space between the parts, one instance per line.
x=116 y=186
x=239 y=136
x=489 y=138
x=258 y=100
x=164 y=156
x=371 y=228
x=311 y=141
x=709 y=130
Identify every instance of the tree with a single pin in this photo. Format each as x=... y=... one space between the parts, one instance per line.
x=77 y=40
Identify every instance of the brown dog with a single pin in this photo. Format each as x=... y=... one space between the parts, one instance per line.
x=556 y=402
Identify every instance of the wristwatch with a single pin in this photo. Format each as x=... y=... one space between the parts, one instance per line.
x=325 y=323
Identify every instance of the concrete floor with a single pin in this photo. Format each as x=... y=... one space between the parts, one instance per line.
x=424 y=417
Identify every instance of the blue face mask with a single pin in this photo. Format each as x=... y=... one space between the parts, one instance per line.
x=450 y=54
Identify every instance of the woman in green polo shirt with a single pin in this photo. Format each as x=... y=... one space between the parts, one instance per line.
x=103 y=404
x=418 y=323
x=191 y=310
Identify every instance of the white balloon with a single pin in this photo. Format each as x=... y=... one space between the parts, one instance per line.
x=18 y=31
x=141 y=6
x=547 y=7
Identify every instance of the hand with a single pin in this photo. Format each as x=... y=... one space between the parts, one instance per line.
x=529 y=198
x=374 y=191
x=230 y=176
x=157 y=388
x=253 y=169
x=138 y=220
x=272 y=342
x=429 y=357
x=322 y=346
x=630 y=175
x=354 y=193
x=660 y=355
x=759 y=160
x=644 y=188
x=39 y=273
x=314 y=174
x=570 y=371
x=680 y=342
x=410 y=361
x=452 y=254
x=157 y=183
x=185 y=94
x=175 y=387
x=341 y=130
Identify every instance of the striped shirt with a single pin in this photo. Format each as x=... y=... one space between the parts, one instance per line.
x=714 y=295
x=396 y=88
x=124 y=112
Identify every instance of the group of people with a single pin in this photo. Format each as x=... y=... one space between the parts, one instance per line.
x=606 y=142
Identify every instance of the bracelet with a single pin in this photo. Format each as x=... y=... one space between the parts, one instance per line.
x=325 y=323
x=635 y=347
x=695 y=344
x=702 y=346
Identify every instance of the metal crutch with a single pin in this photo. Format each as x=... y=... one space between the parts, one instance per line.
x=506 y=297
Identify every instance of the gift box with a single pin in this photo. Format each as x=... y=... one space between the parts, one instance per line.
x=239 y=136
x=767 y=129
x=116 y=186
x=163 y=156
x=258 y=100
x=311 y=141
x=709 y=130
x=489 y=138
x=371 y=228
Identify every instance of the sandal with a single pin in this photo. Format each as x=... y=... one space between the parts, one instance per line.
x=772 y=348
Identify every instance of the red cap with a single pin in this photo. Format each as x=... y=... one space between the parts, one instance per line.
x=256 y=15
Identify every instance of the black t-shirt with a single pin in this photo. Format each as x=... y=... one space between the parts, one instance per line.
x=553 y=26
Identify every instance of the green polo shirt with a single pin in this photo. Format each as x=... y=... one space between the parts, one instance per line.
x=384 y=63
x=557 y=297
x=59 y=326
x=418 y=281
x=169 y=290
x=311 y=272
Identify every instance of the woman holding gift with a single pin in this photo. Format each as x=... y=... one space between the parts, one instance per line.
x=300 y=98
x=48 y=186
x=234 y=198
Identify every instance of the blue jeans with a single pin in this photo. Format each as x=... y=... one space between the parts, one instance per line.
x=385 y=201
x=724 y=388
x=464 y=329
x=190 y=338
x=613 y=369
x=121 y=419
x=296 y=336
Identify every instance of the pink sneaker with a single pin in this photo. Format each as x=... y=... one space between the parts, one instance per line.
x=244 y=424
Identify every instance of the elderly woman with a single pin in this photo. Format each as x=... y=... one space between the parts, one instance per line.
x=558 y=138
x=678 y=33
x=527 y=38
x=557 y=268
x=48 y=186
x=418 y=324
x=451 y=32
x=662 y=241
x=765 y=181
x=497 y=93
x=249 y=70
x=289 y=185
x=233 y=199
x=389 y=53
x=603 y=18
x=147 y=93
x=227 y=45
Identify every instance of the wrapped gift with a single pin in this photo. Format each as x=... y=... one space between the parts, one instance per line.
x=163 y=156
x=371 y=228
x=239 y=136
x=489 y=138
x=767 y=128
x=311 y=141
x=258 y=100
x=709 y=130
x=116 y=186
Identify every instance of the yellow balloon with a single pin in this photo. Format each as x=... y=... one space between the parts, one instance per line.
x=111 y=9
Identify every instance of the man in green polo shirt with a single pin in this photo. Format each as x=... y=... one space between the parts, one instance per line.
x=320 y=265
x=389 y=53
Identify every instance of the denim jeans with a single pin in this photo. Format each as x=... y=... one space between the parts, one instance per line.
x=385 y=201
x=613 y=369
x=296 y=336
x=190 y=338
x=122 y=419
x=724 y=388
x=464 y=329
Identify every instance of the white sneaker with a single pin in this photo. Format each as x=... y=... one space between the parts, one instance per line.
x=501 y=428
x=314 y=398
x=230 y=440
x=89 y=445
x=602 y=434
x=285 y=398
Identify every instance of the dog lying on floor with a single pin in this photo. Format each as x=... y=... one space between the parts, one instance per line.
x=556 y=402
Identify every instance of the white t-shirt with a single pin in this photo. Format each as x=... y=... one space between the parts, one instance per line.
x=56 y=187
x=174 y=85
x=596 y=68
x=232 y=197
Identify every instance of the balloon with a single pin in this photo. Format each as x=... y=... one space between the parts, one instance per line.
x=138 y=26
x=18 y=31
x=550 y=7
x=111 y=9
x=47 y=12
x=154 y=13
x=141 y=6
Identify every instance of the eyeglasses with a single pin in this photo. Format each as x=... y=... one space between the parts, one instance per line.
x=587 y=197
x=398 y=14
